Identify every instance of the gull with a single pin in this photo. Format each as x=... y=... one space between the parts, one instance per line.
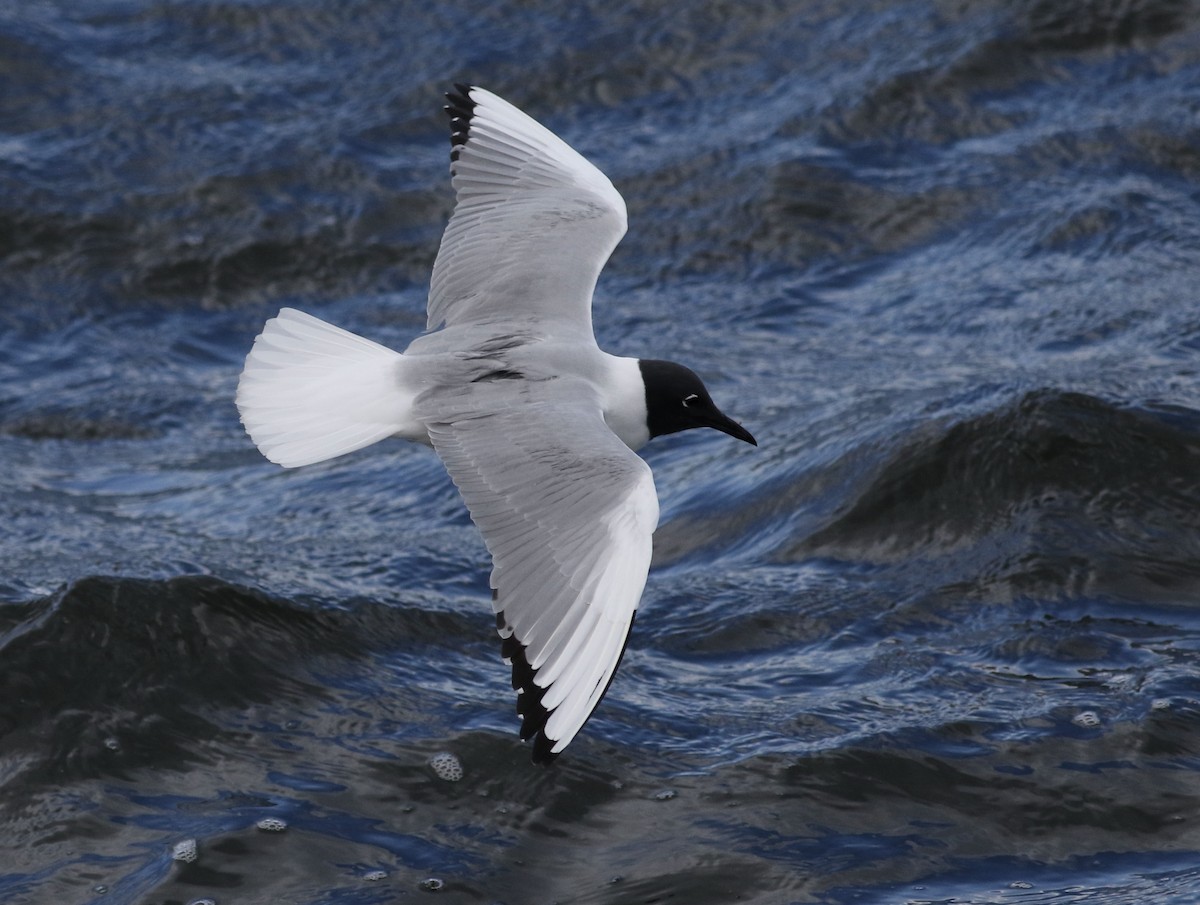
x=536 y=425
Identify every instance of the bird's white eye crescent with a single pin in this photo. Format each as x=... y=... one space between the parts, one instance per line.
x=688 y=399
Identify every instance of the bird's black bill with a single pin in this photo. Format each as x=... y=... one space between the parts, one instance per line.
x=728 y=426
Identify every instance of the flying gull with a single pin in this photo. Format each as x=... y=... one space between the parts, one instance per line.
x=535 y=424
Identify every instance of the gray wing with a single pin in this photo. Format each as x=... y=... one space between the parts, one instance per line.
x=567 y=511
x=533 y=223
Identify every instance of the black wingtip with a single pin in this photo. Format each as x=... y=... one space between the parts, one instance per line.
x=460 y=103
x=542 y=755
x=460 y=110
x=529 y=694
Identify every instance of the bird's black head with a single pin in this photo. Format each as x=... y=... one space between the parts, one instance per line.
x=676 y=400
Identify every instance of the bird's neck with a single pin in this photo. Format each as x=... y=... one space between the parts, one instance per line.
x=625 y=401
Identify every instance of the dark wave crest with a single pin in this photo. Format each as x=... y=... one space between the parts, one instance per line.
x=1057 y=488
x=142 y=668
x=113 y=664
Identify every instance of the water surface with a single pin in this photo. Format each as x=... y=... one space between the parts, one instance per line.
x=936 y=640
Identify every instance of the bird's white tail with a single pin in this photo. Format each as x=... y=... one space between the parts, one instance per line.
x=311 y=391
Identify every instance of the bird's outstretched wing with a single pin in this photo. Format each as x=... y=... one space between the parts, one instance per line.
x=533 y=223
x=567 y=512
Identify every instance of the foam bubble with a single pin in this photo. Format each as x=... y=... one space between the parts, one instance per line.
x=446 y=766
x=375 y=875
x=184 y=851
x=664 y=795
x=272 y=825
x=431 y=884
x=1086 y=719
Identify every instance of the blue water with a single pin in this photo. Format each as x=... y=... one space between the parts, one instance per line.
x=936 y=640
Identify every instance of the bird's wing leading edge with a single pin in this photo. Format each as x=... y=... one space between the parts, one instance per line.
x=533 y=223
x=567 y=512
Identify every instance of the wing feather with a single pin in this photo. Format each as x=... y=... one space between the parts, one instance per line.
x=569 y=526
x=533 y=224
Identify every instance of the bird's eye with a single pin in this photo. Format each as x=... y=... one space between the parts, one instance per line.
x=689 y=399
